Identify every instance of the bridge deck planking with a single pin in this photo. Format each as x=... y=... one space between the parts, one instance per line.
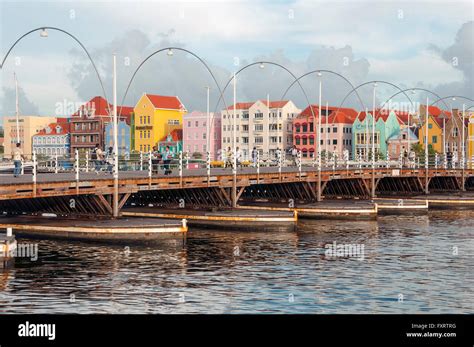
x=64 y=184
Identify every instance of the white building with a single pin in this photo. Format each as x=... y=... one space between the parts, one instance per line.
x=260 y=126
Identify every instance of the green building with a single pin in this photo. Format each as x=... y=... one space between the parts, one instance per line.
x=386 y=126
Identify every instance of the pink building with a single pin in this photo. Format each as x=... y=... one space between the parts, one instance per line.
x=195 y=133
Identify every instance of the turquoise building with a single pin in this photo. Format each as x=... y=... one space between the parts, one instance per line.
x=123 y=137
x=386 y=126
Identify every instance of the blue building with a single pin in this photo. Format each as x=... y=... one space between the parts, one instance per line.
x=53 y=140
x=123 y=133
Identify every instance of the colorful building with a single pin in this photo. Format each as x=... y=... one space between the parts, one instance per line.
x=123 y=137
x=401 y=142
x=173 y=140
x=195 y=133
x=156 y=116
x=52 y=140
x=336 y=130
x=386 y=126
x=28 y=126
x=437 y=119
x=470 y=132
x=454 y=133
x=265 y=125
x=89 y=122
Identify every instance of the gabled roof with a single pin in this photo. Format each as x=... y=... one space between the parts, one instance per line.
x=176 y=135
x=350 y=112
x=165 y=102
x=100 y=105
x=64 y=129
x=399 y=135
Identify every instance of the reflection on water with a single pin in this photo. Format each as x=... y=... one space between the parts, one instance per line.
x=411 y=264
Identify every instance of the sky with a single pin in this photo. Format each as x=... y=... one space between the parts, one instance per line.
x=424 y=44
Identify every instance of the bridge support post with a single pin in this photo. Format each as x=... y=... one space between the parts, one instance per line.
x=319 y=178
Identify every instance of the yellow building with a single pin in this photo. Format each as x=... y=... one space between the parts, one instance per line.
x=156 y=116
x=435 y=127
x=28 y=126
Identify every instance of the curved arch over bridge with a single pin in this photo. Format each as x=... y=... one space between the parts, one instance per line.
x=68 y=34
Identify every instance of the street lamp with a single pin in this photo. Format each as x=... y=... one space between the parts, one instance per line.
x=262 y=66
x=44 y=33
x=318 y=137
x=170 y=52
x=373 y=142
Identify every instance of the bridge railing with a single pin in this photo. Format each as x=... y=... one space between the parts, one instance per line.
x=182 y=163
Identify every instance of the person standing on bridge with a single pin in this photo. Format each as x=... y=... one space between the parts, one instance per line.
x=98 y=158
x=167 y=160
x=109 y=158
x=17 y=156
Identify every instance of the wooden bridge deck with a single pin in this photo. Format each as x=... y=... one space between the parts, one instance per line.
x=64 y=184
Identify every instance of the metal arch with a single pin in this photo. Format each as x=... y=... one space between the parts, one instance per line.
x=452 y=96
x=449 y=97
x=75 y=39
x=167 y=49
x=333 y=72
x=405 y=90
x=371 y=82
x=264 y=62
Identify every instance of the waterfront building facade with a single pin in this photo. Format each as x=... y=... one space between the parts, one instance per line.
x=28 y=126
x=53 y=140
x=89 y=122
x=156 y=116
x=401 y=142
x=335 y=134
x=265 y=125
x=195 y=134
x=123 y=136
x=364 y=136
x=174 y=140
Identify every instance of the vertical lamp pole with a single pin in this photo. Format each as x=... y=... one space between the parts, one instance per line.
x=17 y=109
x=116 y=195
x=326 y=145
x=234 y=159
x=463 y=147
x=208 y=123
x=426 y=147
x=318 y=137
x=373 y=143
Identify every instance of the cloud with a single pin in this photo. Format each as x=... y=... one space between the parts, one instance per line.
x=7 y=103
x=460 y=55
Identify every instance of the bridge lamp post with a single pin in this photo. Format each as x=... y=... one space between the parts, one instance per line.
x=116 y=164
x=373 y=142
x=319 y=137
x=208 y=122
x=234 y=159
x=426 y=147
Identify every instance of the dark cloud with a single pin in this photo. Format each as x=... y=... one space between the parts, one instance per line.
x=185 y=76
x=7 y=103
x=461 y=55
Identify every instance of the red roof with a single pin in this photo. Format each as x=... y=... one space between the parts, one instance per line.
x=436 y=111
x=166 y=102
x=176 y=135
x=99 y=104
x=52 y=126
x=350 y=112
x=241 y=106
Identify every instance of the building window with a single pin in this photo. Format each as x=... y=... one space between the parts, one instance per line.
x=435 y=139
